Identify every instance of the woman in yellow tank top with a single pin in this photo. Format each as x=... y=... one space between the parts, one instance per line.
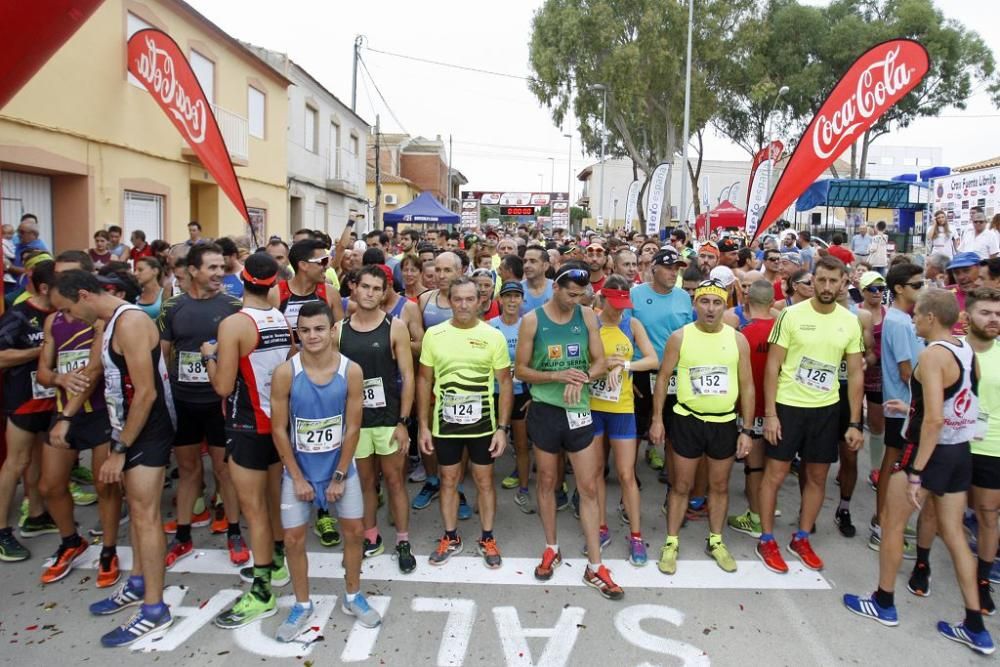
x=613 y=406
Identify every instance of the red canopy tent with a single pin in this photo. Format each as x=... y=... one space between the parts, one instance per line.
x=726 y=214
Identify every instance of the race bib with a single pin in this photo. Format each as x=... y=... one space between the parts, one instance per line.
x=190 y=367
x=982 y=424
x=579 y=419
x=816 y=374
x=314 y=436
x=39 y=392
x=72 y=360
x=709 y=380
x=671 y=384
x=373 y=395
x=842 y=371
x=601 y=388
x=461 y=408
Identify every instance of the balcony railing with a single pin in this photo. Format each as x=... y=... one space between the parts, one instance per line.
x=236 y=132
x=345 y=171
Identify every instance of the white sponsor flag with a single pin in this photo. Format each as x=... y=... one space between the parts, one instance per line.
x=654 y=198
x=760 y=175
x=631 y=204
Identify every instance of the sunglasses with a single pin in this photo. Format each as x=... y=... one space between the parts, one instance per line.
x=322 y=261
x=484 y=272
x=916 y=285
x=875 y=289
x=807 y=283
x=772 y=258
x=572 y=274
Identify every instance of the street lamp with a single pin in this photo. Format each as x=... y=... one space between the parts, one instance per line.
x=604 y=137
x=552 y=178
x=770 y=140
x=687 y=110
x=541 y=182
x=569 y=167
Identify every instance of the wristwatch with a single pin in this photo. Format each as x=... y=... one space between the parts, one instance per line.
x=857 y=425
x=118 y=447
x=339 y=476
x=205 y=358
x=504 y=427
x=405 y=421
x=63 y=418
x=749 y=432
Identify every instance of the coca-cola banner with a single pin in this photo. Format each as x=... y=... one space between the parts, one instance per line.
x=631 y=204
x=156 y=60
x=760 y=184
x=654 y=198
x=876 y=81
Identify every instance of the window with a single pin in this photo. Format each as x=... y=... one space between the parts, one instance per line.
x=143 y=211
x=319 y=216
x=355 y=149
x=334 y=149
x=204 y=71
x=312 y=120
x=258 y=223
x=133 y=25
x=255 y=112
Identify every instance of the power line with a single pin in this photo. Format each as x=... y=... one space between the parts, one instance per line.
x=452 y=65
x=381 y=96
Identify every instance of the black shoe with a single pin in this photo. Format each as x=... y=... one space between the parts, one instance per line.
x=985 y=599
x=404 y=558
x=33 y=526
x=843 y=520
x=920 y=580
x=372 y=549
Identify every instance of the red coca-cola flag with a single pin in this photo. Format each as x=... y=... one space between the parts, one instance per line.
x=876 y=81
x=156 y=60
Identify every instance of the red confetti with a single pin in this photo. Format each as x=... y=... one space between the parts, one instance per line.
x=315 y=628
x=32 y=627
x=741 y=607
x=202 y=605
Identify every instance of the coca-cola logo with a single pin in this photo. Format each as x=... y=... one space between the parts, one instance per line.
x=157 y=67
x=876 y=85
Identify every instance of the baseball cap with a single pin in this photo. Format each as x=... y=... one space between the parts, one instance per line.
x=793 y=257
x=666 y=257
x=617 y=298
x=511 y=286
x=708 y=247
x=723 y=275
x=870 y=278
x=388 y=273
x=963 y=260
x=729 y=244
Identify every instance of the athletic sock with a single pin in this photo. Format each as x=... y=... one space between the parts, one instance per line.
x=594 y=567
x=714 y=538
x=349 y=597
x=451 y=534
x=671 y=539
x=183 y=532
x=754 y=517
x=371 y=534
x=876 y=449
x=233 y=530
x=845 y=503
x=487 y=535
x=554 y=547
x=635 y=535
x=522 y=489
x=261 y=587
x=107 y=554
x=974 y=620
x=604 y=528
x=801 y=535
x=923 y=556
x=402 y=537
x=983 y=568
x=137 y=583
x=766 y=537
x=885 y=599
x=159 y=609
x=71 y=542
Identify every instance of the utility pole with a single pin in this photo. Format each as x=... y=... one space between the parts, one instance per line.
x=378 y=176
x=552 y=176
x=569 y=168
x=354 y=77
x=687 y=114
x=447 y=196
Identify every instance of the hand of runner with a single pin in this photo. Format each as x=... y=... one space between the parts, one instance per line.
x=74 y=382
x=572 y=376
x=303 y=490
x=334 y=491
x=209 y=347
x=895 y=405
x=57 y=434
x=615 y=377
x=657 y=433
x=498 y=443
x=743 y=446
x=425 y=442
x=111 y=471
x=402 y=438
x=772 y=430
x=854 y=439
x=913 y=493
x=571 y=394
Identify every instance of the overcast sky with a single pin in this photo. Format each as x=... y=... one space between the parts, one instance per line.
x=503 y=138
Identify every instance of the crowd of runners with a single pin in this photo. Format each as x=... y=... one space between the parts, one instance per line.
x=318 y=376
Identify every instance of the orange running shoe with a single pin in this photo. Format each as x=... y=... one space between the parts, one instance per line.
x=601 y=580
x=220 y=524
x=550 y=561
x=197 y=521
x=108 y=576
x=62 y=562
x=177 y=550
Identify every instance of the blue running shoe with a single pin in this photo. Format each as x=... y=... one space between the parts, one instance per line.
x=562 y=497
x=427 y=493
x=980 y=642
x=358 y=607
x=142 y=624
x=464 y=511
x=869 y=608
x=127 y=595
x=575 y=500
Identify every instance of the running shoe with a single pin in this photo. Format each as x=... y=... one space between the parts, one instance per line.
x=23 y=512
x=604 y=535
x=920 y=581
x=511 y=481
x=623 y=514
x=372 y=549
x=980 y=642
x=668 y=557
x=971 y=525
x=550 y=561
x=279 y=572
x=247 y=609
x=446 y=548
x=843 y=520
x=873 y=479
x=139 y=626
x=81 y=498
x=127 y=595
x=986 y=604
x=637 y=551
x=464 y=511
x=601 y=580
x=523 y=501
x=42 y=524
x=770 y=555
x=562 y=498
x=220 y=524
x=97 y=530
x=801 y=548
x=199 y=520
x=404 y=558
x=654 y=458
x=82 y=475
x=744 y=523
x=108 y=572
x=326 y=529
x=418 y=473
x=178 y=550
x=663 y=477
x=358 y=608
x=490 y=553
x=869 y=608
x=575 y=501
x=995 y=572
x=909 y=548
x=12 y=551
x=721 y=555
x=239 y=554
x=62 y=562
x=427 y=493
x=381 y=496
x=296 y=623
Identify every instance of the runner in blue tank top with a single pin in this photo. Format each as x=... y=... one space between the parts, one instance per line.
x=316 y=409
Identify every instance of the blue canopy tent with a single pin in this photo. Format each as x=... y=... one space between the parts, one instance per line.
x=424 y=209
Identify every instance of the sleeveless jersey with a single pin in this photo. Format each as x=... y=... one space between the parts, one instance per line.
x=531 y=301
x=741 y=316
x=615 y=340
x=433 y=313
x=397 y=310
x=119 y=390
x=559 y=347
x=248 y=408
x=961 y=400
x=509 y=332
x=757 y=334
x=73 y=340
x=707 y=374
x=290 y=303
x=316 y=419
x=873 y=372
x=22 y=327
x=372 y=350
x=152 y=309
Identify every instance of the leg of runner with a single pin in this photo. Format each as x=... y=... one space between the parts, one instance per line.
x=54 y=487
x=684 y=471
x=19 y=448
x=588 y=468
x=546 y=477
x=815 y=475
x=626 y=455
x=393 y=476
x=189 y=487
x=450 y=543
x=602 y=444
x=986 y=502
x=876 y=438
x=848 y=476
x=298 y=561
x=753 y=470
x=109 y=507
x=143 y=487
x=718 y=505
x=486 y=497
x=522 y=450
x=368 y=474
x=920 y=579
x=224 y=484
x=774 y=475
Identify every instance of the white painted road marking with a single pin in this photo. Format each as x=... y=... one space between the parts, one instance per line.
x=751 y=575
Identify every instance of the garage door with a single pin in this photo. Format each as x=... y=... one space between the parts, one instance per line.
x=27 y=193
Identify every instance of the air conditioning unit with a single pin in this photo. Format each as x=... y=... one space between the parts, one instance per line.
x=391 y=199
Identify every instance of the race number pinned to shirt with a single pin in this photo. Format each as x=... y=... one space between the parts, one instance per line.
x=842 y=371
x=39 y=392
x=709 y=380
x=373 y=395
x=579 y=419
x=816 y=374
x=461 y=408
x=671 y=384
x=601 y=388
x=314 y=436
x=72 y=360
x=191 y=368
x=982 y=424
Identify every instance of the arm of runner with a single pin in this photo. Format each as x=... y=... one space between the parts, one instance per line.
x=775 y=358
x=352 y=431
x=414 y=326
x=404 y=361
x=671 y=354
x=281 y=388
x=855 y=437
x=931 y=365
x=222 y=372
x=648 y=360
x=333 y=300
x=47 y=375
x=425 y=385
x=748 y=394
x=905 y=371
x=598 y=362
x=501 y=368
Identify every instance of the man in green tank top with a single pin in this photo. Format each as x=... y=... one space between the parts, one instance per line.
x=713 y=370
x=559 y=350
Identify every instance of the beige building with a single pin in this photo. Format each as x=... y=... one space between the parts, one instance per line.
x=83 y=145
